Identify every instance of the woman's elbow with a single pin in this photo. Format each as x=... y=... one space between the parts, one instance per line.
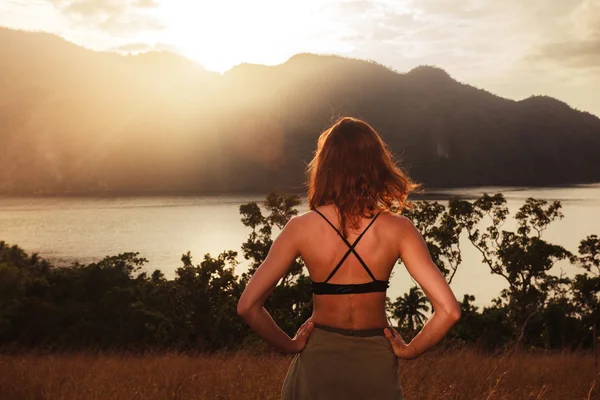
x=246 y=307
x=243 y=308
x=455 y=313
x=451 y=312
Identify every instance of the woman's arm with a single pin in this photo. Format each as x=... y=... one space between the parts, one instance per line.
x=283 y=252
x=415 y=256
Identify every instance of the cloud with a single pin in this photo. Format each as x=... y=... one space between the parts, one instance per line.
x=579 y=46
x=146 y=3
x=575 y=53
x=374 y=20
x=586 y=19
x=129 y=24
x=463 y=9
x=474 y=37
x=141 y=47
x=375 y=29
x=356 y=6
x=118 y=17
x=88 y=8
x=132 y=47
x=448 y=33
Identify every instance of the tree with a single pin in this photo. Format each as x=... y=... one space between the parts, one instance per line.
x=586 y=286
x=441 y=233
x=281 y=208
x=522 y=260
x=408 y=309
x=205 y=299
x=290 y=303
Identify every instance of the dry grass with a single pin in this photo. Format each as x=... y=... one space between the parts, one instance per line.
x=462 y=374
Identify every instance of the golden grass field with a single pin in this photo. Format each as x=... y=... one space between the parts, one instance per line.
x=458 y=374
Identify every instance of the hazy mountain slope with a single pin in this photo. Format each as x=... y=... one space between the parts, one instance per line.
x=76 y=120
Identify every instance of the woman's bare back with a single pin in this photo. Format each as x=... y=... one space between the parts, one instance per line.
x=322 y=248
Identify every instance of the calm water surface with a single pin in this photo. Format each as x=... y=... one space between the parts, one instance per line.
x=161 y=229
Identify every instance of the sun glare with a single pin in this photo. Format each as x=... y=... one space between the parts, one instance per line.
x=221 y=34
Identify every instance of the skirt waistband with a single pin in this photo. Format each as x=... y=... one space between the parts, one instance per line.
x=351 y=332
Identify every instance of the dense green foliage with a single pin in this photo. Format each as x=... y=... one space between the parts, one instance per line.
x=114 y=304
x=74 y=120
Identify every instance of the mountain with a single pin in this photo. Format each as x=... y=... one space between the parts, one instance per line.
x=75 y=120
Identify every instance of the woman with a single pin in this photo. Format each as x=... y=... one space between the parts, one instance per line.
x=350 y=241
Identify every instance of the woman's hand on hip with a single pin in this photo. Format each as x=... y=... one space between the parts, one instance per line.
x=302 y=335
x=399 y=346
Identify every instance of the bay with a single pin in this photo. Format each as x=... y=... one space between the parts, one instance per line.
x=162 y=228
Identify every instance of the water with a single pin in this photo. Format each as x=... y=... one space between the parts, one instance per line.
x=161 y=229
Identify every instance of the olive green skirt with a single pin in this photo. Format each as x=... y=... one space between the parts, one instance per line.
x=343 y=364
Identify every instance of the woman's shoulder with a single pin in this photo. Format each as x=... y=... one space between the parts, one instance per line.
x=301 y=221
x=304 y=217
x=398 y=221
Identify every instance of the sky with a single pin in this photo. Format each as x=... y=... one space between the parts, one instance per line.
x=513 y=48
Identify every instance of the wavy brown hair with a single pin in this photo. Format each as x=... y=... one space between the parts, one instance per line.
x=354 y=170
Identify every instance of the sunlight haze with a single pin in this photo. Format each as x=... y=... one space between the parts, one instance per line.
x=512 y=48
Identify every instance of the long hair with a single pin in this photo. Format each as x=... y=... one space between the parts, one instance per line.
x=354 y=170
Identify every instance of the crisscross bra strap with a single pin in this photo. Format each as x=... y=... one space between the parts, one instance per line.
x=350 y=247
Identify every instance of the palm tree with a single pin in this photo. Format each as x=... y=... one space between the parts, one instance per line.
x=408 y=309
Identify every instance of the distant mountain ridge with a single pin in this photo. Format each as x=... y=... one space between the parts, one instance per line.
x=76 y=120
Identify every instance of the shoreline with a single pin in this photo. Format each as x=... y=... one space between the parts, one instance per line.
x=428 y=192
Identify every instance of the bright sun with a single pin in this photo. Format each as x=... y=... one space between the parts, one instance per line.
x=221 y=34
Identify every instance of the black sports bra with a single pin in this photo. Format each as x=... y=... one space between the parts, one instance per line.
x=336 y=288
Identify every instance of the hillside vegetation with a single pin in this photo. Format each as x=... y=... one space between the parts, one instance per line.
x=75 y=120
